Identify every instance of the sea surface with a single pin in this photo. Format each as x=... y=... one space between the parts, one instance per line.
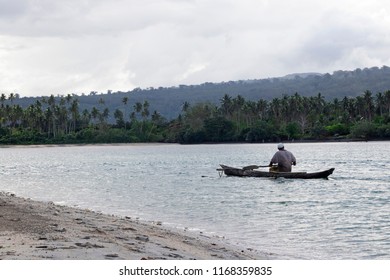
x=345 y=217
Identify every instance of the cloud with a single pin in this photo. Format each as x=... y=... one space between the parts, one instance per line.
x=350 y=40
x=81 y=46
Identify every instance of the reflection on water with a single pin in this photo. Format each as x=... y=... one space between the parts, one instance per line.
x=345 y=217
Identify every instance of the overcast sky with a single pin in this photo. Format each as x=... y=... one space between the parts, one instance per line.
x=74 y=46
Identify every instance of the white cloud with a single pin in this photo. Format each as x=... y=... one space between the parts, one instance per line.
x=79 y=45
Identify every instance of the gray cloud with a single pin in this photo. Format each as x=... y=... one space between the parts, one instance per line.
x=345 y=40
x=12 y=9
x=79 y=45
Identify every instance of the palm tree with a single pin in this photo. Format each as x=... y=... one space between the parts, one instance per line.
x=3 y=98
x=360 y=106
x=380 y=103
x=275 y=109
x=124 y=101
x=11 y=98
x=38 y=116
x=133 y=117
x=74 y=110
x=51 y=114
x=95 y=114
x=262 y=107
x=86 y=118
x=249 y=109
x=104 y=117
x=348 y=105
x=387 y=102
x=226 y=105
x=118 y=115
x=145 y=112
x=238 y=103
x=62 y=116
x=157 y=120
x=138 y=107
x=369 y=104
x=185 y=107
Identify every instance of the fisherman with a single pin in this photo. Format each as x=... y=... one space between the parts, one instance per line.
x=283 y=158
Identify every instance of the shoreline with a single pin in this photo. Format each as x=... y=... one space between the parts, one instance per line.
x=86 y=145
x=145 y=144
x=34 y=230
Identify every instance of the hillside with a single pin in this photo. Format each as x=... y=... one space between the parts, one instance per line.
x=168 y=101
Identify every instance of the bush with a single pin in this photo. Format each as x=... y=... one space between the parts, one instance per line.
x=364 y=130
x=337 y=129
x=383 y=131
x=189 y=136
x=260 y=132
x=218 y=129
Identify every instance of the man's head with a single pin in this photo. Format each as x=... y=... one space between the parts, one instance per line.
x=280 y=146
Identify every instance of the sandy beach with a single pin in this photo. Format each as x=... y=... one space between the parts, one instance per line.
x=31 y=230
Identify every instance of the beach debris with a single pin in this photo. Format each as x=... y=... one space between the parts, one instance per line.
x=143 y=238
x=175 y=256
x=129 y=228
x=88 y=245
x=111 y=256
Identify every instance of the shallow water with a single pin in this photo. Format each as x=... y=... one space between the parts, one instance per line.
x=345 y=217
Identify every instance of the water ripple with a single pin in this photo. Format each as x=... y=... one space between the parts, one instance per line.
x=345 y=217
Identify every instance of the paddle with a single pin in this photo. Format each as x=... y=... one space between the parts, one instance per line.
x=251 y=167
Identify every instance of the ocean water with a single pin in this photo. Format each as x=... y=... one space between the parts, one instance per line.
x=345 y=217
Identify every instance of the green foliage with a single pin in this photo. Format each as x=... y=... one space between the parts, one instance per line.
x=290 y=118
x=189 y=136
x=261 y=131
x=293 y=131
x=337 y=129
x=218 y=129
x=383 y=131
x=364 y=130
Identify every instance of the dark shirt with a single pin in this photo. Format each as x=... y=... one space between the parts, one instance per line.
x=284 y=159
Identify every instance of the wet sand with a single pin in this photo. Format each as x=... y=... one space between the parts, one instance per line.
x=31 y=230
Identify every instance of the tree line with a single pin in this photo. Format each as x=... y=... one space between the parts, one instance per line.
x=59 y=120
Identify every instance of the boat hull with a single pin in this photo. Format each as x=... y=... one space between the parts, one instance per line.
x=239 y=172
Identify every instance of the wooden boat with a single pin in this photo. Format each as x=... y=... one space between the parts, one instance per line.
x=240 y=172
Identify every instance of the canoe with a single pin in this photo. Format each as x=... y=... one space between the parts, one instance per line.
x=233 y=171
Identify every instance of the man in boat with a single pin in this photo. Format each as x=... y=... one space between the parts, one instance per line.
x=284 y=160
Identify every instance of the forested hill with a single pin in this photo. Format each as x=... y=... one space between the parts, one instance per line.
x=169 y=101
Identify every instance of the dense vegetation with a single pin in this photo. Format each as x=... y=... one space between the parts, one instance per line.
x=234 y=119
x=168 y=100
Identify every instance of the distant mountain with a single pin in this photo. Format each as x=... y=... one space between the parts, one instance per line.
x=300 y=75
x=168 y=101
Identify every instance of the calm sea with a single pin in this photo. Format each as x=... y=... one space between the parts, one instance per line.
x=345 y=217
